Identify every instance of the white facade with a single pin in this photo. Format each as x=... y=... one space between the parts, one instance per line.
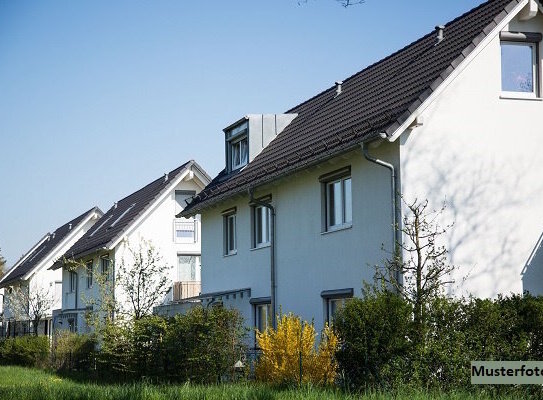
x=475 y=148
x=41 y=279
x=480 y=152
x=308 y=260
x=156 y=226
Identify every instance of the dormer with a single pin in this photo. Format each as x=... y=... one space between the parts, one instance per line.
x=247 y=137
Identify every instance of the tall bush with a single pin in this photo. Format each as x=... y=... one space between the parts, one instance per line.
x=289 y=354
x=374 y=336
x=72 y=351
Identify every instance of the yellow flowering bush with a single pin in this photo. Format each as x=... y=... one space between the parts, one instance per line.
x=292 y=342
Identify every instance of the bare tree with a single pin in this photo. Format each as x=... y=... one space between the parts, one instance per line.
x=418 y=270
x=30 y=303
x=2 y=265
x=143 y=279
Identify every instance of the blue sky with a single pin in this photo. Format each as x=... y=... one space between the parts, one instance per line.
x=99 y=98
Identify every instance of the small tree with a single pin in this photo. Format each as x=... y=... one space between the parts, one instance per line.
x=418 y=270
x=143 y=279
x=30 y=303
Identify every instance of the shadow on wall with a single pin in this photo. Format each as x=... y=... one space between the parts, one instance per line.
x=532 y=273
x=484 y=198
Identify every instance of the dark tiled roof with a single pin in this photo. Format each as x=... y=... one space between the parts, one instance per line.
x=377 y=99
x=38 y=253
x=119 y=217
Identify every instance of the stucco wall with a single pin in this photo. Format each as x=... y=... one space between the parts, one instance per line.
x=307 y=261
x=482 y=155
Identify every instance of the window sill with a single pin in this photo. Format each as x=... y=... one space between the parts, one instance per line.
x=512 y=96
x=262 y=246
x=230 y=254
x=337 y=228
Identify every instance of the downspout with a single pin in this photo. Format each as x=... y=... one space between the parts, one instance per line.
x=396 y=237
x=272 y=255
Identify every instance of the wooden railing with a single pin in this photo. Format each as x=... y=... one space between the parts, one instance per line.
x=183 y=290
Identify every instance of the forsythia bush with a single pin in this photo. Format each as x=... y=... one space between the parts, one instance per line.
x=283 y=348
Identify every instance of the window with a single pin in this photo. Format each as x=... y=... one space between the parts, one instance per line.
x=188 y=268
x=73 y=281
x=262 y=316
x=338 y=207
x=334 y=300
x=104 y=267
x=237 y=146
x=519 y=69
x=261 y=226
x=230 y=233
x=89 y=274
x=520 y=63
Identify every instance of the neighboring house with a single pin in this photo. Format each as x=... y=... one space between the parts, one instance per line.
x=456 y=115
x=30 y=279
x=146 y=218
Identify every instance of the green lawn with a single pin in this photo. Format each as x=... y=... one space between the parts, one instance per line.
x=29 y=384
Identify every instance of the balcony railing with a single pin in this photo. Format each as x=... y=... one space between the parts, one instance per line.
x=184 y=290
x=185 y=230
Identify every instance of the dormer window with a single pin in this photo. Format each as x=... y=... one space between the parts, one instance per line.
x=237 y=146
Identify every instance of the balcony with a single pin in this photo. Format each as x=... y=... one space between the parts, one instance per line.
x=184 y=290
x=185 y=230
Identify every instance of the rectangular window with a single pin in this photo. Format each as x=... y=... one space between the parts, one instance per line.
x=89 y=274
x=334 y=300
x=261 y=226
x=519 y=67
x=237 y=146
x=104 y=268
x=262 y=316
x=338 y=207
x=230 y=246
x=188 y=268
x=73 y=281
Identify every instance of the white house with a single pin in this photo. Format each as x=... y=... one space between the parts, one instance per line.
x=146 y=218
x=454 y=116
x=30 y=279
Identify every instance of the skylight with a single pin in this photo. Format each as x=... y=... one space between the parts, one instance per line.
x=102 y=224
x=122 y=215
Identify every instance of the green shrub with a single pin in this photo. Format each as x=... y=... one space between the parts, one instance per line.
x=28 y=351
x=201 y=346
x=379 y=348
x=374 y=341
x=72 y=351
x=204 y=344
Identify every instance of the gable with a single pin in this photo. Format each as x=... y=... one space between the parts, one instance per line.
x=373 y=103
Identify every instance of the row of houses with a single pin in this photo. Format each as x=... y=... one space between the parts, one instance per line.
x=310 y=199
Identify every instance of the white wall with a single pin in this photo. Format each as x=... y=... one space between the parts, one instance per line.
x=482 y=154
x=307 y=261
x=156 y=228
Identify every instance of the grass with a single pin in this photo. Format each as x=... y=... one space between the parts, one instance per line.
x=31 y=384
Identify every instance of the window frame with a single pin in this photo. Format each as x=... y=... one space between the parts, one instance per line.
x=255 y=244
x=327 y=182
x=73 y=281
x=197 y=264
x=258 y=304
x=90 y=272
x=228 y=250
x=329 y=296
x=533 y=40
x=105 y=262
x=234 y=137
